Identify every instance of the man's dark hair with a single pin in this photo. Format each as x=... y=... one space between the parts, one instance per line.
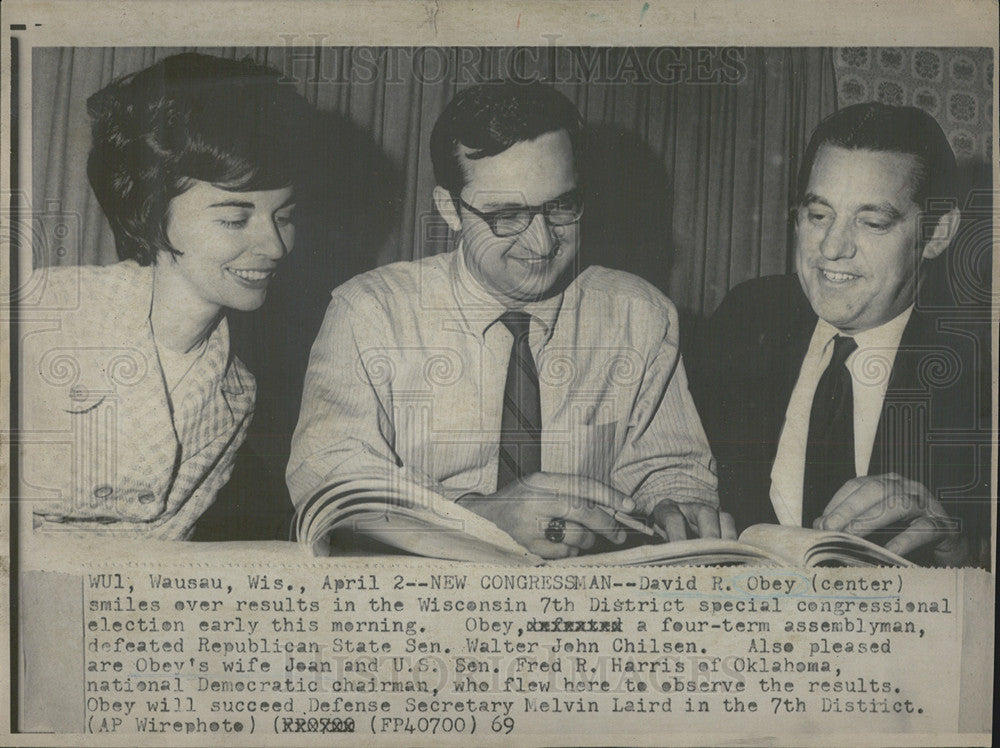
x=491 y=117
x=189 y=116
x=896 y=129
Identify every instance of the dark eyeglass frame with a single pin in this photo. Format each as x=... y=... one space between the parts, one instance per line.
x=491 y=218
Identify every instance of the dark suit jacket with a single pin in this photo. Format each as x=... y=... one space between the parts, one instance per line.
x=934 y=425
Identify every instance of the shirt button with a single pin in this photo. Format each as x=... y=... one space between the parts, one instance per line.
x=103 y=491
x=146 y=497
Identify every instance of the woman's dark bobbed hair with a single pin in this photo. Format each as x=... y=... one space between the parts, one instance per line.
x=188 y=117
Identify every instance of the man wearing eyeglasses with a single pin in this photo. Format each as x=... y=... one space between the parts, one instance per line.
x=547 y=397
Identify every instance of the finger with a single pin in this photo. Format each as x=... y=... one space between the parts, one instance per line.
x=844 y=492
x=922 y=530
x=855 y=498
x=583 y=488
x=903 y=500
x=595 y=520
x=727 y=526
x=836 y=513
x=706 y=521
x=579 y=537
x=671 y=519
x=548 y=549
x=895 y=509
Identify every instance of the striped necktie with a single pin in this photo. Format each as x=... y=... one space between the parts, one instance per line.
x=521 y=422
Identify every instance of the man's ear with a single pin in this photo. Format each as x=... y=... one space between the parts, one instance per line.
x=944 y=232
x=445 y=205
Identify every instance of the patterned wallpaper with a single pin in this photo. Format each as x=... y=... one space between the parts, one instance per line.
x=955 y=85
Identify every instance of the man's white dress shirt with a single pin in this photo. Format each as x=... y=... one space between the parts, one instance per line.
x=406 y=379
x=870 y=366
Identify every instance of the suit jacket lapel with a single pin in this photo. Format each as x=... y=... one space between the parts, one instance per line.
x=903 y=380
x=790 y=351
x=787 y=347
x=793 y=353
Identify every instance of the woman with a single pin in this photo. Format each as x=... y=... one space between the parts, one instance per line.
x=133 y=405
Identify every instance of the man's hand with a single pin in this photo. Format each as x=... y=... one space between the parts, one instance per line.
x=525 y=508
x=704 y=521
x=869 y=503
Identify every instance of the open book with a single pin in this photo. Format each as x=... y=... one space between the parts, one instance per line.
x=417 y=520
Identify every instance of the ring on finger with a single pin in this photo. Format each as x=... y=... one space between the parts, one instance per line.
x=555 y=532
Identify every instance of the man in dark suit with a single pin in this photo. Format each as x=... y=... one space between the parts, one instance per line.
x=830 y=398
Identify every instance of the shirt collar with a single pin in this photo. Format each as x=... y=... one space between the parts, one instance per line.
x=886 y=336
x=480 y=309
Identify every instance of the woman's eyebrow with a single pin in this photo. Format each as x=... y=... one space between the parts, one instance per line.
x=234 y=204
x=248 y=205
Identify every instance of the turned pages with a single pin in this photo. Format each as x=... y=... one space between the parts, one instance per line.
x=416 y=520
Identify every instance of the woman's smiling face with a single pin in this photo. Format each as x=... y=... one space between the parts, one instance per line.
x=229 y=243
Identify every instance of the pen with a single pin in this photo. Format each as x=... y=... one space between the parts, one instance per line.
x=627 y=520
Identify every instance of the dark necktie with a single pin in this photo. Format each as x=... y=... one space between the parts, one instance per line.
x=830 y=450
x=521 y=423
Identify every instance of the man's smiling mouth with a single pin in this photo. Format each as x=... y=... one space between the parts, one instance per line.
x=838 y=277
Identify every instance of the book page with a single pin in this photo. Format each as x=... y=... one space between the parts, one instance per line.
x=416 y=533
x=700 y=112
x=695 y=552
x=810 y=547
x=409 y=518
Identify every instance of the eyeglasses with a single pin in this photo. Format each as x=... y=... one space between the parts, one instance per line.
x=562 y=211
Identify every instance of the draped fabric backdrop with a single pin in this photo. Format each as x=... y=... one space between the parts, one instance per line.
x=690 y=159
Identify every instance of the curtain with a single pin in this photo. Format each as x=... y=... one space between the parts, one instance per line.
x=691 y=153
